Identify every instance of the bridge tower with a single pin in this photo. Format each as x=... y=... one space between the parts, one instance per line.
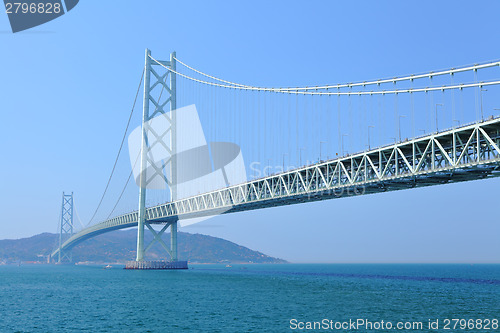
x=66 y=226
x=160 y=94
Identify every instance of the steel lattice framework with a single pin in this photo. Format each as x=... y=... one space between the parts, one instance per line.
x=66 y=227
x=461 y=154
x=154 y=79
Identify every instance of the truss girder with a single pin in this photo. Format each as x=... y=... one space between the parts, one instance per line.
x=466 y=153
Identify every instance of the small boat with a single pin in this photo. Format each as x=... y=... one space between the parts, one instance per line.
x=108 y=267
x=229 y=266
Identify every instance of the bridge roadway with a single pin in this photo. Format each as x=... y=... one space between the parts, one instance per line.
x=464 y=153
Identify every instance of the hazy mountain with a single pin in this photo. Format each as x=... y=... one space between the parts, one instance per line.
x=120 y=246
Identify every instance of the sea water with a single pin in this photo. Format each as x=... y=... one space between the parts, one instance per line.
x=251 y=298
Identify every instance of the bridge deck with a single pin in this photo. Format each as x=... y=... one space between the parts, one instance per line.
x=465 y=153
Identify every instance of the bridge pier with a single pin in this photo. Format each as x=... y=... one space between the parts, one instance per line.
x=158 y=264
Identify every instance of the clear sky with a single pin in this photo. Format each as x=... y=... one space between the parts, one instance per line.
x=66 y=88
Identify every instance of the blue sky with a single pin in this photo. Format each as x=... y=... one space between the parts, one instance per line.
x=67 y=87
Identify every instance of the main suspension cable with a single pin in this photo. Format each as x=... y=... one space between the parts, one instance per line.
x=300 y=91
x=474 y=67
x=210 y=76
x=119 y=150
x=124 y=187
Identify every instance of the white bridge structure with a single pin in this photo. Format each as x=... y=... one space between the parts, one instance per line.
x=459 y=153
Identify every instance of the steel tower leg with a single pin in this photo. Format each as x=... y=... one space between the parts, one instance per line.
x=173 y=241
x=173 y=187
x=144 y=152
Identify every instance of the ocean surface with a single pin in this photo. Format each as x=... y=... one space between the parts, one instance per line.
x=249 y=298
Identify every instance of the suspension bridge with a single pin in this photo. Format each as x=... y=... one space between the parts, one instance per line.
x=301 y=144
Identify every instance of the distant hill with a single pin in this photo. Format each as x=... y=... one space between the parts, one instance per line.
x=119 y=246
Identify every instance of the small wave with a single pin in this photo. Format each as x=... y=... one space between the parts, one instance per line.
x=367 y=276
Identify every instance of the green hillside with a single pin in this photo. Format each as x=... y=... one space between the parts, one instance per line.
x=119 y=246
